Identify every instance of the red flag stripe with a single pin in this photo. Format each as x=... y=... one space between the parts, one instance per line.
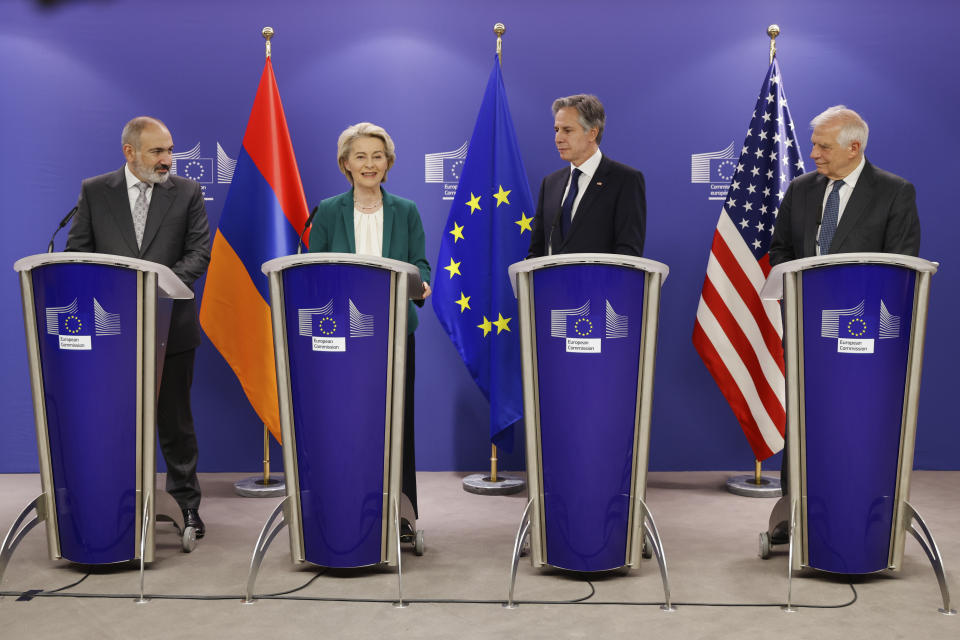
x=767 y=429
x=772 y=403
x=732 y=394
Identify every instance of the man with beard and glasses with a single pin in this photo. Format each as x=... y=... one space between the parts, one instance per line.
x=141 y=211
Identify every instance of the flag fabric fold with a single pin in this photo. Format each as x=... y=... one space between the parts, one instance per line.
x=262 y=217
x=488 y=228
x=738 y=335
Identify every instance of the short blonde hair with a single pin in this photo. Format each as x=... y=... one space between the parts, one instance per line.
x=364 y=130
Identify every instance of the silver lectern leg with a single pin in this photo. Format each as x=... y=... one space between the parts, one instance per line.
x=650 y=528
x=16 y=532
x=260 y=549
x=929 y=546
x=522 y=532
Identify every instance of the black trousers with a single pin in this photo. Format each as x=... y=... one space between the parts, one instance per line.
x=409 y=472
x=178 y=442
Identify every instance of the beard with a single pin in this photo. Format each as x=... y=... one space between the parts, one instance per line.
x=151 y=174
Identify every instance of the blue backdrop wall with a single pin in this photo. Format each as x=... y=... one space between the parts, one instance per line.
x=677 y=79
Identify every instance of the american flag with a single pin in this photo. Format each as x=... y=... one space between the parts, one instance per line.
x=737 y=334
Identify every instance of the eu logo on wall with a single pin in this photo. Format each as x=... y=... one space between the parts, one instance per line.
x=206 y=171
x=715 y=168
x=444 y=168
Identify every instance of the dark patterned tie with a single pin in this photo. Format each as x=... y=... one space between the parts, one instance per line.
x=567 y=211
x=831 y=213
x=140 y=212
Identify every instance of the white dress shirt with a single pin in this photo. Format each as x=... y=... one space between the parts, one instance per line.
x=132 y=191
x=845 y=192
x=368 y=232
x=589 y=167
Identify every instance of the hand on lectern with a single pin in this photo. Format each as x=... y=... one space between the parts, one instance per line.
x=426 y=291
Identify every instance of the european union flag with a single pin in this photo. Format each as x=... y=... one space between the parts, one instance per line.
x=487 y=230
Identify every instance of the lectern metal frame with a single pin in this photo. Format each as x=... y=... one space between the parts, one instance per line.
x=155 y=284
x=786 y=282
x=640 y=520
x=404 y=278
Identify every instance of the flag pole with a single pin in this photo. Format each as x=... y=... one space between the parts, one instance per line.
x=266 y=486
x=494 y=484
x=745 y=485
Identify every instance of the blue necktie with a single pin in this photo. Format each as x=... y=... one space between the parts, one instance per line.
x=567 y=211
x=831 y=213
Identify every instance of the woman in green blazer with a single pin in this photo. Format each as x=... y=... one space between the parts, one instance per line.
x=368 y=220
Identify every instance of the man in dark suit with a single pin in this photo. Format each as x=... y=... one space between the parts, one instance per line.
x=603 y=208
x=141 y=211
x=862 y=208
x=846 y=206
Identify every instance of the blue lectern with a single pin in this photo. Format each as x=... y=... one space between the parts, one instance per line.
x=96 y=328
x=588 y=337
x=854 y=327
x=340 y=336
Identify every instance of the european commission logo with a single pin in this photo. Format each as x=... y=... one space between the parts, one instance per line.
x=444 y=168
x=75 y=329
x=715 y=168
x=583 y=331
x=206 y=171
x=328 y=331
x=854 y=331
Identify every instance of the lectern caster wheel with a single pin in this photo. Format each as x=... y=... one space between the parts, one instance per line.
x=765 y=545
x=189 y=541
x=646 y=552
x=418 y=545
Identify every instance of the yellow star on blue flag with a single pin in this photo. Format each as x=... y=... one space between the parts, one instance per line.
x=485 y=245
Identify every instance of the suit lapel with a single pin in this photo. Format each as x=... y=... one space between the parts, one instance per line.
x=594 y=188
x=346 y=217
x=119 y=203
x=389 y=219
x=552 y=204
x=814 y=207
x=163 y=196
x=856 y=207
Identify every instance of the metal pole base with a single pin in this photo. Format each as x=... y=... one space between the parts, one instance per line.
x=254 y=487
x=746 y=485
x=505 y=485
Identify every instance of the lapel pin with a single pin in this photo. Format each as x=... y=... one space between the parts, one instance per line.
x=599 y=184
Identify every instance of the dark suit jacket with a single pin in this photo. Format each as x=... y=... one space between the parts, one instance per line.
x=880 y=216
x=403 y=237
x=611 y=217
x=177 y=235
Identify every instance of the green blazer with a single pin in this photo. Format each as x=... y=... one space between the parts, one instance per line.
x=403 y=237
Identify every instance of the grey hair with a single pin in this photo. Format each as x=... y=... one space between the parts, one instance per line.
x=589 y=109
x=852 y=126
x=364 y=130
x=133 y=129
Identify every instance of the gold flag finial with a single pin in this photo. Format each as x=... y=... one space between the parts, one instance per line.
x=267 y=34
x=499 y=29
x=773 y=31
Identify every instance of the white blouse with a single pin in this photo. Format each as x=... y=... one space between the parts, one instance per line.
x=368 y=232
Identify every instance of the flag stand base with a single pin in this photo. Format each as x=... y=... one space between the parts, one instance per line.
x=747 y=486
x=505 y=485
x=254 y=487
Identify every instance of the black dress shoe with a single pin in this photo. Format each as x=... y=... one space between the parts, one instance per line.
x=191 y=518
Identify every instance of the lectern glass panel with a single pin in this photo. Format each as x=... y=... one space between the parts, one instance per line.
x=337 y=340
x=588 y=322
x=87 y=327
x=857 y=323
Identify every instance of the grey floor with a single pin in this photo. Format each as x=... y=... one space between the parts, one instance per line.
x=710 y=537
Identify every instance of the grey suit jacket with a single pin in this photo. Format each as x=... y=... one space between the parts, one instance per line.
x=881 y=216
x=611 y=216
x=177 y=235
